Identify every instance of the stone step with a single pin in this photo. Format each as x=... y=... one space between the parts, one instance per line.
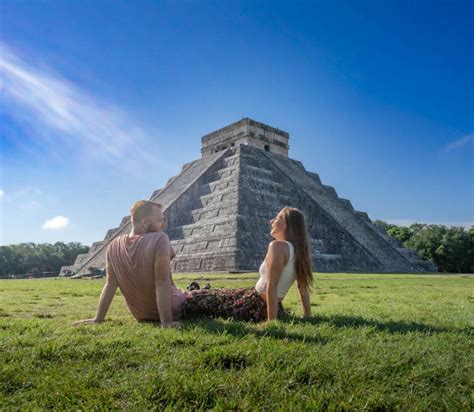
x=208 y=244
x=219 y=236
x=408 y=253
x=315 y=177
x=327 y=256
x=96 y=246
x=328 y=263
x=202 y=262
x=202 y=254
x=330 y=191
x=231 y=160
x=252 y=157
x=220 y=184
x=111 y=233
x=214 y=210
x=170 y=193
x=219 y=196
x=425 y=266
x=317 y=246
x=226 y=172
x=392 y=240
x=347 y=203
x=270 y=194
x=212 y=225
x=210 y=213
x=249 y=157
x=258 y=182
x=266 y=213
x=81 y=258
x=363 y=217
x=125 y=221
x=155 y=193
x=258 y=169
x=316 y=242
x=170 y=180
x=186 y=165
x=255 y=171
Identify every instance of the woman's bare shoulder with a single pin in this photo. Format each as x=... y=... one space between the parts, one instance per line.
x=278 y=246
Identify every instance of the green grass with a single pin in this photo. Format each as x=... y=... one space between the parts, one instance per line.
x=375 y=342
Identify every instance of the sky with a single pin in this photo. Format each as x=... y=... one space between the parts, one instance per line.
x=103 y=101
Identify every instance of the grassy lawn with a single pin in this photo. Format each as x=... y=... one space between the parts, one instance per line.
x=375 y=342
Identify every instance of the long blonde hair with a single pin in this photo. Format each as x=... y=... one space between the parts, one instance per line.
x=296 y=233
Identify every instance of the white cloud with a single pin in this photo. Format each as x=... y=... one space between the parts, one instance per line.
x=58 y=222
x=457 y=144
x=1 y=193
x=68 y=121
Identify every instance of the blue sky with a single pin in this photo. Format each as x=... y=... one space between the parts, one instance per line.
x=103 y=101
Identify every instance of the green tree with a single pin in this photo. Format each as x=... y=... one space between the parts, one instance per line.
x=455 y=251
x=450 y=248
x=36 y=258
x=402 y=233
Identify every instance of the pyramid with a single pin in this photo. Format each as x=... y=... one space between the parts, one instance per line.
x=218 y=210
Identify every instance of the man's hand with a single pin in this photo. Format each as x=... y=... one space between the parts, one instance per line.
x=85 y=321
x=175 y=325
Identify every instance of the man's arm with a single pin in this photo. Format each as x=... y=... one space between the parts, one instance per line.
x=106 y=297
x=162 y=270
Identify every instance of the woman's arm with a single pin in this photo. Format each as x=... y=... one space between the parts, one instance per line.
x=275 y=262
x=305 y=300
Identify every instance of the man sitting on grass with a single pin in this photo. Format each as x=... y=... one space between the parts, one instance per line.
x=139 y=264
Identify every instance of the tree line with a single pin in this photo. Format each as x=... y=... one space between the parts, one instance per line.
x=37 y=259
x=451 y=249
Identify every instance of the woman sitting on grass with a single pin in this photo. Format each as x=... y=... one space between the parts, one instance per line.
x=287 y=260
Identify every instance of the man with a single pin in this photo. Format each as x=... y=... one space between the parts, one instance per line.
x=139 y=264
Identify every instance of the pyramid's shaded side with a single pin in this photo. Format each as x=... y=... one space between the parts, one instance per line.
x=218 y=210
x=342 y=239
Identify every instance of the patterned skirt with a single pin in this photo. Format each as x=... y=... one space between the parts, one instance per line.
x=239 y=304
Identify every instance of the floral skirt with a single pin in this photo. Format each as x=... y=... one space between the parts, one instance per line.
x=239 y=304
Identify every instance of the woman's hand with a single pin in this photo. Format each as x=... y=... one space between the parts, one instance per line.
x=305 y=301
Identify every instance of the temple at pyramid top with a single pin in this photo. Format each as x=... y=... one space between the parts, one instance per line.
x=247 y=132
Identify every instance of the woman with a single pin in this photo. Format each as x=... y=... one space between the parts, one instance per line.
x=287 y=260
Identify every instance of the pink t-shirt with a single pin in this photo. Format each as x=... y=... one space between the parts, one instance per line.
x=132 y=259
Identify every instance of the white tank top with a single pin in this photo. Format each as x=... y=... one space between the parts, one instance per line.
x=288 y=276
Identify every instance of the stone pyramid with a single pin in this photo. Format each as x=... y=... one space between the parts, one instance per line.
x=218 y=210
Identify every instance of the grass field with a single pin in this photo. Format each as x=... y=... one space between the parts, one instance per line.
x=375 y=342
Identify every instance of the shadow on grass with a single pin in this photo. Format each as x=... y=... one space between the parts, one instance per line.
x=341 y=321
x=240 y=329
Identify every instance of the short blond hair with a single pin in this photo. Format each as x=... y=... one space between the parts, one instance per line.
x=143 y=208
